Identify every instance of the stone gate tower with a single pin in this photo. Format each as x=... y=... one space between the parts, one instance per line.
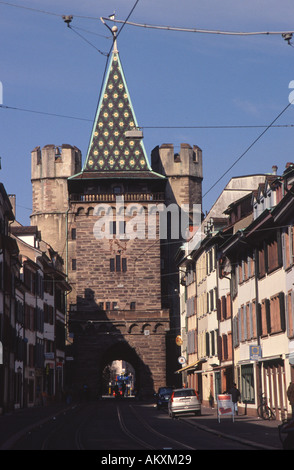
x=105 y=218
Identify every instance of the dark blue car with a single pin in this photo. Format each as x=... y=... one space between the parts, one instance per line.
x=163 y=396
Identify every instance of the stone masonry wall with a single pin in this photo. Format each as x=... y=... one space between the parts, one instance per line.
x=118 y=310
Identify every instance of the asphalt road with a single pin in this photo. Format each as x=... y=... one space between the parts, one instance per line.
x=122 y=425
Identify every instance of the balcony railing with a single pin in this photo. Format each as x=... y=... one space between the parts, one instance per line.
x=110 y=197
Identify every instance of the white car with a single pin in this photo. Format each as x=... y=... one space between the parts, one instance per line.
x=184 y=400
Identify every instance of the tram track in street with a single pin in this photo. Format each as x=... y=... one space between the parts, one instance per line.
x=125 y=424
x=138 y=432
x=170 y=443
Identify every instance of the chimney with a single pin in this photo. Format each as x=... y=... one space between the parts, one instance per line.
x=274 y=169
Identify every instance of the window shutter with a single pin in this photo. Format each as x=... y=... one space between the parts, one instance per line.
x=258 y=316
x=212 y=343
x=207 y=344
x=219 y=309
x=245 y=322
x=235 y=332
x=224 y=307
x=287 y=309
x=210 y=300
x=282 y=310
x=268 y=315
x=266 y=257
x=225 y=347
x=237 y=274
x=219 y=348
x=284 y=249
x=279 y=248
x=251 y=321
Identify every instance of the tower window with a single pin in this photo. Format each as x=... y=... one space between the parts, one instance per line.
x=112 y=228
x=112 y=265
x=74 y=264
x=118 y=264
x=121 y=228
x=124 y=264
x=73 y=233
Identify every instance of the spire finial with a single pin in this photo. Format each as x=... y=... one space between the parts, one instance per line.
x=114 y=31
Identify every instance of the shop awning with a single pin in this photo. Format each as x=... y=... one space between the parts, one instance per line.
x=189 y=366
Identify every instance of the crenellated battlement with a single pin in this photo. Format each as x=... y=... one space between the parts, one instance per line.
x=55 y=161
x=183 y=171
x=186 y=162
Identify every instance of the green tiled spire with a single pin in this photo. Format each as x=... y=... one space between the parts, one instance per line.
x=109 y=149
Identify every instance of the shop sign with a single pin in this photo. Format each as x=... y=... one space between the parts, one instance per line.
x=179 y=341
x=255 y=353
x=182 y=360
x=49 y=355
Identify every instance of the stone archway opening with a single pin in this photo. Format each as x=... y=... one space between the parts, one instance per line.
x=122 y=355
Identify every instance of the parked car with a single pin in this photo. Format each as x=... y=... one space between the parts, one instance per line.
x=163 y=396
x=184 y=400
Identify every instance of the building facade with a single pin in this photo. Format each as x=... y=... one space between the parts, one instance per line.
x=40 y=291
x=9 y=270
x=244 y=310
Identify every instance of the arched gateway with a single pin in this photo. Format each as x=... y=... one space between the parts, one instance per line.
x=99 y=342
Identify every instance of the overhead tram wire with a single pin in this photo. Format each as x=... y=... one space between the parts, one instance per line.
x=248 y=148
x=66 y=116
x=126 y=20
x=286 y=34
x=202 y=31
x=44 y=12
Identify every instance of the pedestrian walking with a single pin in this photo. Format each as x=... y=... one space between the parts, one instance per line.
x=236 y=396
x=290 y=395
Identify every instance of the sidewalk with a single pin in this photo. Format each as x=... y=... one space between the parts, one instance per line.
x=18 y=422
x=251 y=430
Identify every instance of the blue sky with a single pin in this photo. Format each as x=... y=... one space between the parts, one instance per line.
x=177 y=80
